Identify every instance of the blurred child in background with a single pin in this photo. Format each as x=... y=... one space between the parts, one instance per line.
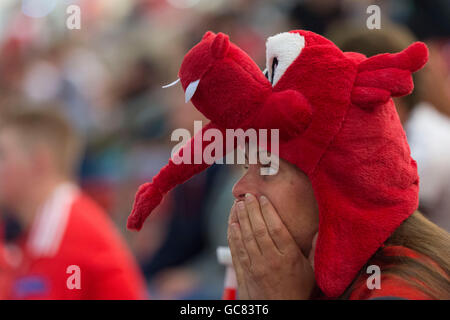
x=67 y=247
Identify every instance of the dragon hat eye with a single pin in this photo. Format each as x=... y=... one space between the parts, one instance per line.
x=281 y=50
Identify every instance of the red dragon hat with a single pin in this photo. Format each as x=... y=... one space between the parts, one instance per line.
x=337 y=122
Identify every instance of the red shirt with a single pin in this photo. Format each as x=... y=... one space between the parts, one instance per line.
x=393 y=285
x=72 y=251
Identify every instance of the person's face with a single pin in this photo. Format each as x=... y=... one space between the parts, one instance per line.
x=16 y=168
x=291 y=194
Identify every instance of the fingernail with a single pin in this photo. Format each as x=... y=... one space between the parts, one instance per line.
x=241 y=205
x=248 y=197
x=263 y=200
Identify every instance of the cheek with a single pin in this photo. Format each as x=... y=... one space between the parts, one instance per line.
x=296 y=205
x=13 y=178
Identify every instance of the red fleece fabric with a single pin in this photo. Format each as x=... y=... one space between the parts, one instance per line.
x=393 y=285
x=338 y=124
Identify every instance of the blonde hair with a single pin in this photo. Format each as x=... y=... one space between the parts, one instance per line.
x=426 y=238
x=48 y=128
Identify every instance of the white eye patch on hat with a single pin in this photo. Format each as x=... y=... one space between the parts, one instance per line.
x=281 y=50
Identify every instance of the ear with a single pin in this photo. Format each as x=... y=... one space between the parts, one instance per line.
x=220 y=45
x=388 y=75
x=287 y=110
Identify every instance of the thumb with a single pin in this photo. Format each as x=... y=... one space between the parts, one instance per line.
x=313 y=250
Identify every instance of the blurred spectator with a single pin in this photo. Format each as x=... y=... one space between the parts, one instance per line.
x=60 y=227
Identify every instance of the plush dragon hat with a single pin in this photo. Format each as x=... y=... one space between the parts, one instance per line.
x=337 y=122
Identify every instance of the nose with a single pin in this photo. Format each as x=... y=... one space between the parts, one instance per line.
x=238 y=191
x=246 y=184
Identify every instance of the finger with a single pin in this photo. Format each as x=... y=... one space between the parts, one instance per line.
x=246 y=231
x=258 y=225
x=233 y=215
x=237 y=265
x=277 y=230
x=239 y=246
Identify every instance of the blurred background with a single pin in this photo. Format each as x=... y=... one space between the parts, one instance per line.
x=106 y=79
